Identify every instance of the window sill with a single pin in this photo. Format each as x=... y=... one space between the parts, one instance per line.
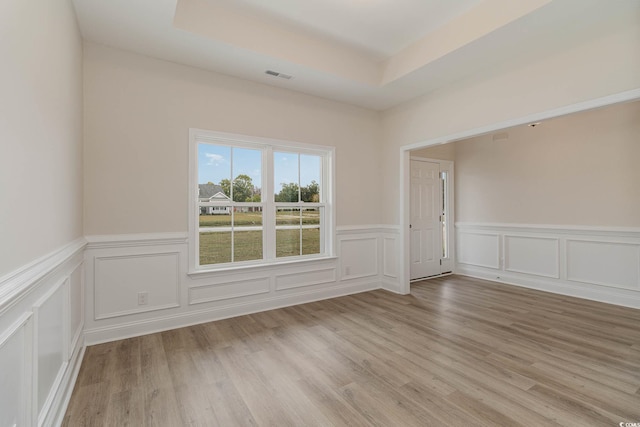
x=264 y=265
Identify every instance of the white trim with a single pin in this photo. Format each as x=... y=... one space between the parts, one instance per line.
x=543 y=228
x=13 y=328
x=404 y=181
x=17 y=284
x=128 y=240
x=405 y=219
x=240 y=267
x=373 y=228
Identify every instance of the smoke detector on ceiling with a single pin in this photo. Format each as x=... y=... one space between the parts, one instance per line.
x=277 y=74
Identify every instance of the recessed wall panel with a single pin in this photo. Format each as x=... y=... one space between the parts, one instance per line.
x=13 y=383
x=389 y=257
x=359 y=257
x=76 y=305
x=532 y=255
x=228 y=290
x=119 y=281
x=51 y=345
x=305 y=278
x=479 y=249
x=604 y=263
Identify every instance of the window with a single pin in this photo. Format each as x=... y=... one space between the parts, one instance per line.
x=257 y=201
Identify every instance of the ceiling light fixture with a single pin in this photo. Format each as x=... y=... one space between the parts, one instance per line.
x=277 y=74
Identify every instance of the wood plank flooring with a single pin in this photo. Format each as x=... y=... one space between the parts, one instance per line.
x=456 y=352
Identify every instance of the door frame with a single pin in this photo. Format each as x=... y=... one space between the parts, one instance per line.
x=405 y=165
x=448 y=166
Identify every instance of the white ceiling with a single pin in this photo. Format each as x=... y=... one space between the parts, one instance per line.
x=379 y=27
x=371 y=53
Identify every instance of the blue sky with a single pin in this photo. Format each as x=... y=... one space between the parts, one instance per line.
x=214 y=164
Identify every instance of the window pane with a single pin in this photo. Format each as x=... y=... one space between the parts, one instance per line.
x=215 y=247
x=310 y=178
x=214 y=216
x=445 y=214
x=247 y=233
x=247 y=172
x=287 y=232
x=310 y=241
x=311 y=231
x=286 y=177
x=214 y=173
x=214 y=222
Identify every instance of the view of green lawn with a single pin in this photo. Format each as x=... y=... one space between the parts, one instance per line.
x=215 y=247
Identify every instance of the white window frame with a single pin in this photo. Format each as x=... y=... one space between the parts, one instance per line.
x=268 y=146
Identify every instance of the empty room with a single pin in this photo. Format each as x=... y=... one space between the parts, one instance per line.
x=245 y=212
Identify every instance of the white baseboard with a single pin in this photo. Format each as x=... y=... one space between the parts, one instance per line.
x=391 y=285
x=168 y=322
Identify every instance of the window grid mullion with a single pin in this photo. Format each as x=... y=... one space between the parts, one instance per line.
x=269 y=219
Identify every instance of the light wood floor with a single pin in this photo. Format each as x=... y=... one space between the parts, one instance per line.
x=456 y=352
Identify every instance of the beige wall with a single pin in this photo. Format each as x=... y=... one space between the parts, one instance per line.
x=577 y=170
x=591 y=69
x=438 y=152
x=138 y=112
x=40 y=130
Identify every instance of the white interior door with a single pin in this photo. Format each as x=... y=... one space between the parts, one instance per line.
x=431 y=218
x=425 y=225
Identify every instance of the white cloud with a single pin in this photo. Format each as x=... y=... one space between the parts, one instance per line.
x=214 y=159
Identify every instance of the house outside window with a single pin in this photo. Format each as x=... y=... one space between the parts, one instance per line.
x=258 y=201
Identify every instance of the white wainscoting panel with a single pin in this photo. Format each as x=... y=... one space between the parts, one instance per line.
x=15 y=386
x=76 y=306
x=303 y=278
x=120 y=279
x=358 y=256
x=604 y=263
x=390 y=258
x=229 y=289
x=118 y=267
x=539 y=256
x=50 y=345
x=596 y=263
x=38 y=366
x=479 y=248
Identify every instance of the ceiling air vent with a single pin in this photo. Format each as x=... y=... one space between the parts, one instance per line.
x=277 y=74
